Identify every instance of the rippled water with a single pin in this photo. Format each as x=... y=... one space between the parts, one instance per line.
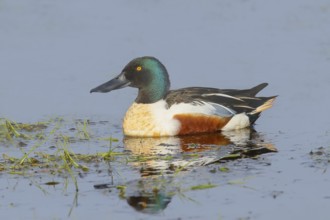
x=54 y=52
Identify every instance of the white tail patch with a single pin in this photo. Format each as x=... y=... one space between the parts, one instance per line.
x=237 y=122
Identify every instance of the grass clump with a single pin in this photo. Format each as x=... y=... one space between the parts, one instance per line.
x=203 y=186
x=47 y=148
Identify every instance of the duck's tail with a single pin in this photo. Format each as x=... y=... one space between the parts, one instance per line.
x=266 y=105
x=253 y=91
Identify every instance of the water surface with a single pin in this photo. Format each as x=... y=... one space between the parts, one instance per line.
x=54 y=52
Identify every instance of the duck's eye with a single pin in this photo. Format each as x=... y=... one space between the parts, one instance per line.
x=139 y=68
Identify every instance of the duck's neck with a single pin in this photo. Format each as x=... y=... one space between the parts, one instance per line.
x=152 y=94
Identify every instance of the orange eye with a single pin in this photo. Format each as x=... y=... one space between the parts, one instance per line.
x=139 y=68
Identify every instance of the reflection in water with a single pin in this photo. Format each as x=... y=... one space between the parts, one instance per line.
x=189 y=143
x=159 y=158
x=165 y=154
x=149 y=195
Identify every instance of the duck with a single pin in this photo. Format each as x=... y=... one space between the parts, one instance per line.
x=158 y=111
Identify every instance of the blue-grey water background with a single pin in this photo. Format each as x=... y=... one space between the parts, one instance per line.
x=53 y=52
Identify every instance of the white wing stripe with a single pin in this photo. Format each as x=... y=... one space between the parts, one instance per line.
x=223 y=95
x=253 y=98
x=244 y=106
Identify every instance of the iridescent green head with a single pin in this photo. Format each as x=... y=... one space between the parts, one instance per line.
x=147 y=74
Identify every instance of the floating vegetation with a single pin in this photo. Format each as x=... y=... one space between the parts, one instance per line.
x=62 y=158
x=83 y=130
x=47 y=147
x=203 y=186
x=321 y=154
x=224 y=169
x=321 y=157
x=52 y=183
x=10 y=130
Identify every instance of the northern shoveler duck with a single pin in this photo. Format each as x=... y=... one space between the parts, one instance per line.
x=158 y=111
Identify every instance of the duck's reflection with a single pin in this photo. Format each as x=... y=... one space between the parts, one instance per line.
x=191 y=143
x=153 y=194
x=158 y=158
x=165 y=154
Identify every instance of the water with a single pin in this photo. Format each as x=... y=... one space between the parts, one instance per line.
x=53 y=52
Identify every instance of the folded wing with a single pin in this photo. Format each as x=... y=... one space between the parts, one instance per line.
x=227 y=102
